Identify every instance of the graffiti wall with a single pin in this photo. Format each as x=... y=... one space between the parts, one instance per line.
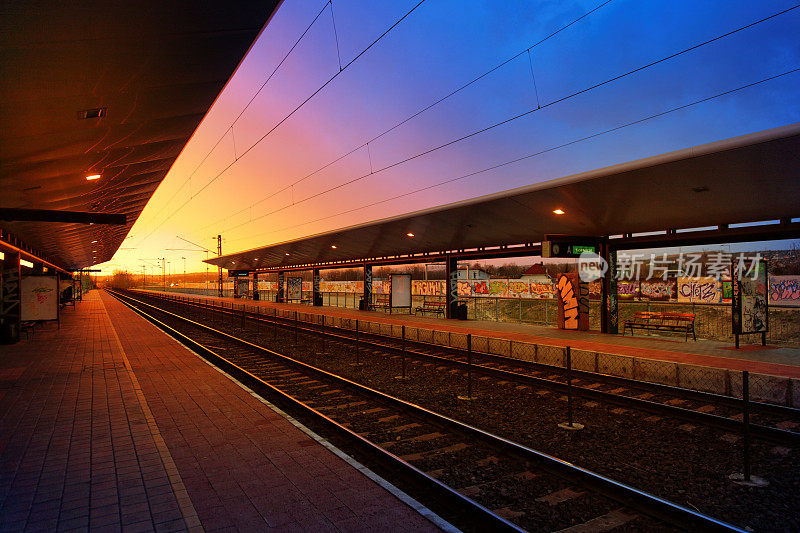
x=784 y=290
x=658 y=290
x=627 y=290
x=699 y=290
x=573 y=303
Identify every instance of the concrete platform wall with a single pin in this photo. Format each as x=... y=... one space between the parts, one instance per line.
x=763 y=387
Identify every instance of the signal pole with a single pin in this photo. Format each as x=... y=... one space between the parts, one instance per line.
x=219 y=267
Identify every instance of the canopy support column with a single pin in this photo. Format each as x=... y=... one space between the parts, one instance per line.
x=10 y=311
x=367 y=296
x=609 y=317
x=279 y=296
x=451 y=289
x=255 y=286
x=317 y=296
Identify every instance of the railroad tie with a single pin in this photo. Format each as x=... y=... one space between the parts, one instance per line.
x=508 y=513
x=398 y=429
x=607 y=522
x=410 y=458
x=563 y=495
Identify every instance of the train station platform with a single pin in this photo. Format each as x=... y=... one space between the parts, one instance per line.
x=774 y=360
x=109 y=424
x=703 y=365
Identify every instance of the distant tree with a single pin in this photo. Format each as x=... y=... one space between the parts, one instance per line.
x=121 y=279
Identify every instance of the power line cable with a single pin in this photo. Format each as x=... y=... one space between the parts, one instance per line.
x=423 y=110
x=505 y=121
x=529 y=156
x=285 y=118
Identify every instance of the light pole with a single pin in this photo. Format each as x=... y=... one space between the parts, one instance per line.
x=184 y=273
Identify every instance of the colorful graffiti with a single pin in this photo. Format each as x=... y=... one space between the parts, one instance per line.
x=627 y=290
x=784 y=290
x=699 y=290
x=658 y=290
x=573 y=303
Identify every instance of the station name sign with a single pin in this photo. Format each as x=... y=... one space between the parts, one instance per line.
x=565 y=246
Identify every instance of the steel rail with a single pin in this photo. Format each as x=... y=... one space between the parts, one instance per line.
x=634 y=498
x=775 y=435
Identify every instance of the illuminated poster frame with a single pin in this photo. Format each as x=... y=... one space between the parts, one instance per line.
x=400 y=291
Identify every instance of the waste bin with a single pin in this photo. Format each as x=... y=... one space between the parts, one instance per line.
x=361 y=304
x=462 y=311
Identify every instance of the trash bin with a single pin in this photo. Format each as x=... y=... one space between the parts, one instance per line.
x=462 y=311
x=9 y=332
x=361 y=304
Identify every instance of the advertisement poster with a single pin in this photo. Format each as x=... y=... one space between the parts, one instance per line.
x=294 y=288
x=39 y=298
x=753 y=305
x=401 y=290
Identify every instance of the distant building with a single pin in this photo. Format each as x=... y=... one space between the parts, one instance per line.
x=472 y=273
x=538 y=274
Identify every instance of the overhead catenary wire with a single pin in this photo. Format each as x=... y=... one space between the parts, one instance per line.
x=528 y=156
x=289 y=115
x=245 y=108
x=421 y=111
x=508 y=120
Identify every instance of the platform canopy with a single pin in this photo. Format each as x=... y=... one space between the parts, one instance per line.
x=109 y=88
x=751 y=178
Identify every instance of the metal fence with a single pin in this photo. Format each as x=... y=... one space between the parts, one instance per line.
x=713 y=321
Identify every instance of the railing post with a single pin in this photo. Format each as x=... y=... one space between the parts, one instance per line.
x=402 y=353
x=358 y=355
x=746 y=422
x=243 y=323
x=469 y=365
x=295 y=329
x=569 y=424
x=469 y=369
x=324 y=349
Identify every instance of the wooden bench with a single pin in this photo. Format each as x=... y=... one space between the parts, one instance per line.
x=662 y=322
x=431 y=306
x=27 y=326
x=381 y=302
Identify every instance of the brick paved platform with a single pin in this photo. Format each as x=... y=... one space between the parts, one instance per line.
x=109 y=424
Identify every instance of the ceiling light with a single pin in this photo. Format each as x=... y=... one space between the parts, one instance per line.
x=558 y=211
x=94 y=242
x=91 y=177
x=410 y=234
x=287 y=253
x=333 y=246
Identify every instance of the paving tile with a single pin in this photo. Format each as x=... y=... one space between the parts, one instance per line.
x=83 y=439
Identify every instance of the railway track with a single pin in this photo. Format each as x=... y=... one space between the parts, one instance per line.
x=767 y=421
x=464 y=473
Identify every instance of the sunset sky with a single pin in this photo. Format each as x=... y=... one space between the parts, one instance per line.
x=258 y=177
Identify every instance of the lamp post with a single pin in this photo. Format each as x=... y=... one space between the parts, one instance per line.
x=184 y=273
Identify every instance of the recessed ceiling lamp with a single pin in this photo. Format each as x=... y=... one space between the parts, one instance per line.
x=558 y=211
x=410 y=234
x=94 y=242
x=333 y=246
x=91 y=177
x=287 y=253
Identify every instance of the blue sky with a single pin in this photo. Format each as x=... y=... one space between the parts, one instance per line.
x=439 y=47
